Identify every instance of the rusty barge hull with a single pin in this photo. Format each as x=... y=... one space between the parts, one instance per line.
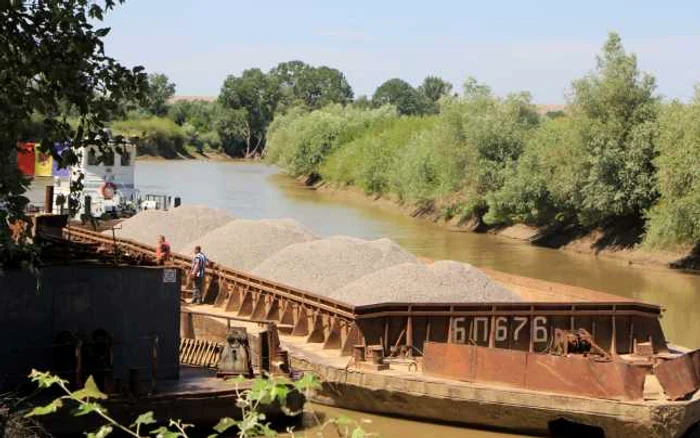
x=322 y=334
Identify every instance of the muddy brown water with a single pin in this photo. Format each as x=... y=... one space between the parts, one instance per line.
x=253 y=191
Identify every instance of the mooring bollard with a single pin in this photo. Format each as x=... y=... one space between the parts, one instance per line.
x=48 y=200
x=358 y=353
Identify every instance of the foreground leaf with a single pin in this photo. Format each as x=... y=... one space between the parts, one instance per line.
x=101 y=433
x=143 y=419
x=224 y=424
x=90 y=391
x=45 y=410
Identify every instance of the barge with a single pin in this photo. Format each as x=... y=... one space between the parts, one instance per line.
x=92 y=314
x=565 y=358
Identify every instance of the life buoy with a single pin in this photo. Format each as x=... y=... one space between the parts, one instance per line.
x=108 y=190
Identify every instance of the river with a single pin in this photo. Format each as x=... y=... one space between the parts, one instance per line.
x=253 y=191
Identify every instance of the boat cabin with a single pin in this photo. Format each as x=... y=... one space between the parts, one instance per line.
x=108 y=183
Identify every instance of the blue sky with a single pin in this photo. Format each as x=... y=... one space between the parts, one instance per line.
x=537 y=46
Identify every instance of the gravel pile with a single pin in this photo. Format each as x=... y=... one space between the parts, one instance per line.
x=244 y=244
x=322 y=266
x=444 y=281
x=179 y=226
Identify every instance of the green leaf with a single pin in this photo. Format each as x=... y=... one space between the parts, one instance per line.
x=307 y=382
x=358 y=433
x=145 y=418
x=343 y=421
x=89 y=391
x=101 y=433
x=45 y=410
x=87 y=408
x=224 y=424
x=164 y=432
x=280 y=392
x=45 y=380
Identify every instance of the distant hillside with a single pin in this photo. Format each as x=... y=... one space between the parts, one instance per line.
x=191 y=98
x=543 y=109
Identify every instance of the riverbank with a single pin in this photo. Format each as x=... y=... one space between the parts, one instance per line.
x=207 y=155
x=620 y=241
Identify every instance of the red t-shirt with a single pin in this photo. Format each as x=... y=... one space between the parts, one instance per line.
x=163 y=251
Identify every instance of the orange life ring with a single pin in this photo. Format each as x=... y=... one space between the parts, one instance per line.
x=108 y=190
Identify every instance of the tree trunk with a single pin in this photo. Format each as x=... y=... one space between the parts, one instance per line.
x=257 y=146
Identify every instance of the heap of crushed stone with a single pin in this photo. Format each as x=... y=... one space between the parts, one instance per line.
x=322 y=266
x=441 y=282
x=244 y=244
x=180 y=226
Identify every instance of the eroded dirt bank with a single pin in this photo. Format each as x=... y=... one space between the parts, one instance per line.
x=620 y=241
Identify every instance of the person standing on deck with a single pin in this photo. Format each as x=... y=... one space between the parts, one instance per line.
x=199 y=266
x=162 y=250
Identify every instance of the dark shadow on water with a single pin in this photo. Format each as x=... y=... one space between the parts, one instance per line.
x=623 y=233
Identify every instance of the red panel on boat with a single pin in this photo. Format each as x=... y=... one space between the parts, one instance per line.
x=678 y=376
x=575 y=375
x=26 y=159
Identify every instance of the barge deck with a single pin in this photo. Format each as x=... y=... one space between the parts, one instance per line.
x=493 y=365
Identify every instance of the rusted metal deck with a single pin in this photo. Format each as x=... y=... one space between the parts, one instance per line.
x=616 y=323
x=496 y=344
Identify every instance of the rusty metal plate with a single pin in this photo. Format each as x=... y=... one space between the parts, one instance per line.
x=695 y=358
x=538 y=372
x=500 y=366
x=450 y=360
x=567 y=375
x=678 y=377
x=434 y=358
x=584 y=377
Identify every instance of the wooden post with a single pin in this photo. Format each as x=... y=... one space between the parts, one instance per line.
x=386 y=334
x=79 y=363
x=48 y=200
x=188 y=326
x=613 y=341
x=409 y=335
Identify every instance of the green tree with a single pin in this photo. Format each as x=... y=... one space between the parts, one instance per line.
x=433 y=89
x=675 y=219
x=52 y=63
x=617 y=113
x=289 y=78
x=160 y=90
x=312 y=87
x=402 y=95
x=544 y=186
x=254 y=96
x=362 y=102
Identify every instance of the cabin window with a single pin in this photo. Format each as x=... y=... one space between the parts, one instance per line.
x=92 y=158
x=125 y=159
x=108 y=158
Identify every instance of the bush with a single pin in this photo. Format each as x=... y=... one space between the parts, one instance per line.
x=158 y=136
x=466 y=154
x=368 y=160
x=544 y=185
x=299 y=141
x=675 y=219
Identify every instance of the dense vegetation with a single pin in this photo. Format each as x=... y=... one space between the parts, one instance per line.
x=617 y=154
x=52 y=66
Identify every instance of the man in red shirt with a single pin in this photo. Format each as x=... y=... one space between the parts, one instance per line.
x=162 y=250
